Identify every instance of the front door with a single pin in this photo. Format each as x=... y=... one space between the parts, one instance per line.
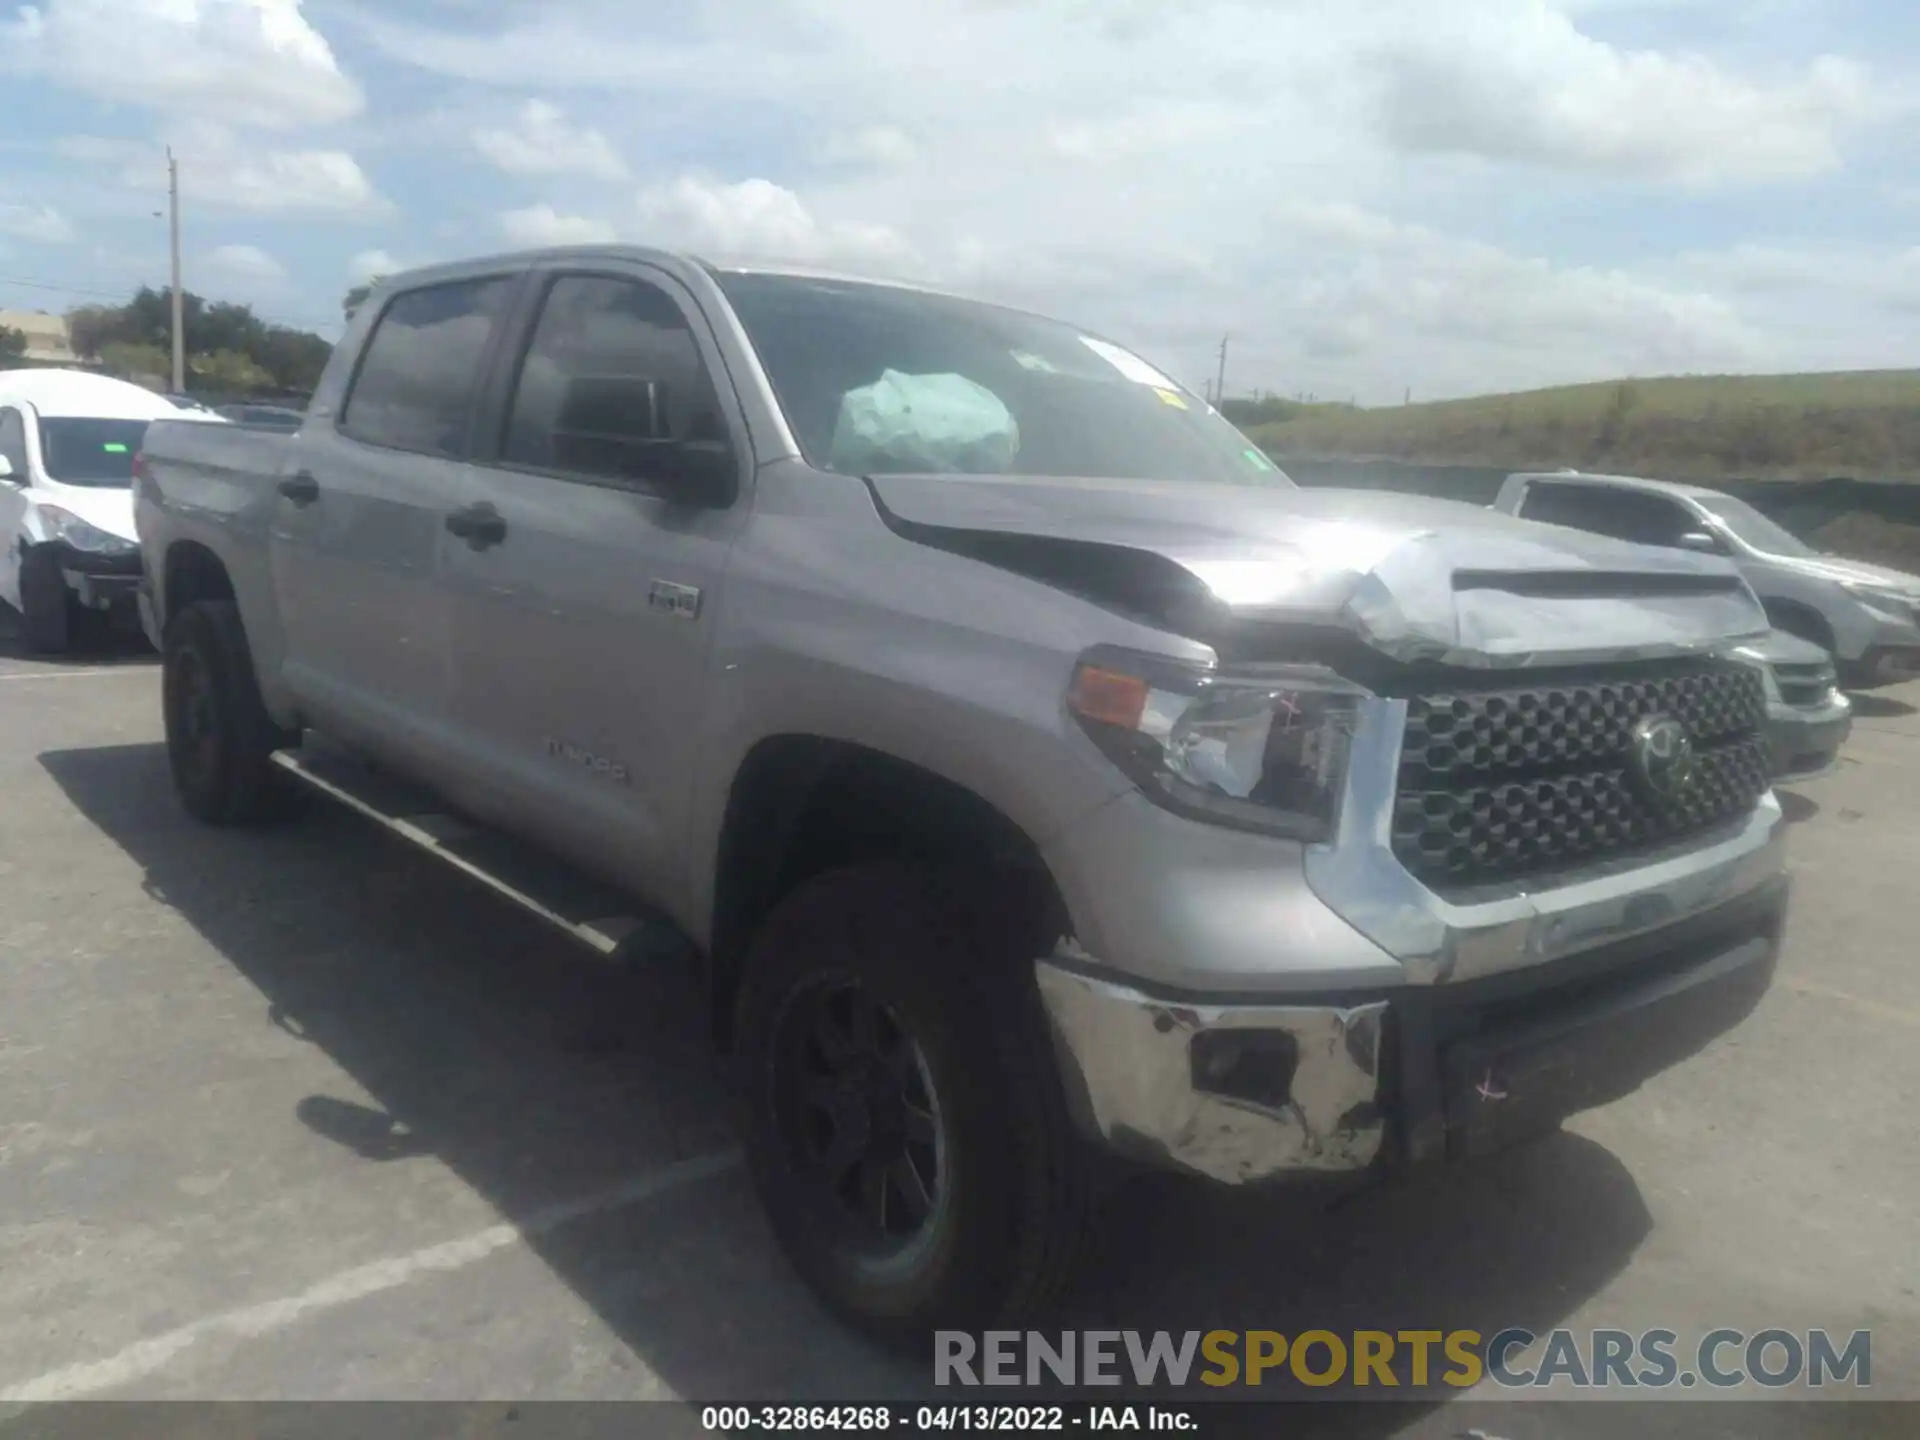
x=13 y=501
x=583 y=599
x=358 y=523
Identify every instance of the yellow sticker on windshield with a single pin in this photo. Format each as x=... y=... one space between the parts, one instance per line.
x=1171 y=398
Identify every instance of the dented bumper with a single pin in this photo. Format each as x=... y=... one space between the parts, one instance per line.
x=1248 y=1093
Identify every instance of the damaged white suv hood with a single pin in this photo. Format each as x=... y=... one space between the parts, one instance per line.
x=1415 y=578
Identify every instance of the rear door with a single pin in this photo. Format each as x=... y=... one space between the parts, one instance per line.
x=583 y=607
x=358 y=521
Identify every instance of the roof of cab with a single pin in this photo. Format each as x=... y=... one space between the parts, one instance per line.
x=74 y=394
x=670 y=260
x=1626 y=482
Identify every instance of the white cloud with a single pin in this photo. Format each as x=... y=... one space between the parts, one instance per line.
x=256 y=62
x=1836 y=276
x=221 y=168
x=244 y=263
x=543 y=143
x=307 y=180
x=1521 y=83
x=541 y=225
x=41 y=224
x=1154 y=129
x=371 y=264
x=757 y=219
x=874 y=145
x=1167 y=174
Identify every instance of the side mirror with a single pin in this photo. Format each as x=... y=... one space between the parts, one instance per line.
x=6 y=471
x=695 y=472
x=1702 y=541
x=617 y=425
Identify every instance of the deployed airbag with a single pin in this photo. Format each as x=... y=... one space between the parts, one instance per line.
x=924 y=424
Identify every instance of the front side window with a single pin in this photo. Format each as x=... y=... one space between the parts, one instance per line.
x=13 y=443
x=1616 y=512
x=1750 y=527
x=1655 y=520
x=613 y=379
x=422 y=364
x=95 y=453
x=878 y=379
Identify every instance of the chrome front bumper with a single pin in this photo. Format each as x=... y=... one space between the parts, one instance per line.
x=1137 y=1082
x=1255 y=1092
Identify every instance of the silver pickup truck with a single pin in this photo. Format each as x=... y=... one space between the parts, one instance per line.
x=1043 y=783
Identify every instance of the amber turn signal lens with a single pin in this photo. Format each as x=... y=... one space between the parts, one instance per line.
x=1108 y=696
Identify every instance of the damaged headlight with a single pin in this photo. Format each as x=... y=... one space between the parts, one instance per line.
x=1259 y=747
x=67 y=526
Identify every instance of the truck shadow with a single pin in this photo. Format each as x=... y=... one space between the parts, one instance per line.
x=1868 y=706
x=539 y=1076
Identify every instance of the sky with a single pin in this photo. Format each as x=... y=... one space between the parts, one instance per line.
x=1368 y=199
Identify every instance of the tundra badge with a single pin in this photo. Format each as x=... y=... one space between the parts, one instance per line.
x=593 y=764
x=671 y=599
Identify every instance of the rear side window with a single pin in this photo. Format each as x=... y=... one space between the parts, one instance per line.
x=1574 y=505
x=612 y=377
x=1623 y=514
x=422 y=364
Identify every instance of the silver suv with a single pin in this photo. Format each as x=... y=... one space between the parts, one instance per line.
x=1866 y=616
x=1039 y=780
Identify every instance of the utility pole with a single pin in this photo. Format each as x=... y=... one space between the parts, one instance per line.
x=1220 y=385
x=179 y=306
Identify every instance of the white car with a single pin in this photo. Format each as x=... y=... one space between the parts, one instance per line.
x=67 y=442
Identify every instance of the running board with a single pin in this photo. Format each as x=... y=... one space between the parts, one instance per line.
x=597 y=916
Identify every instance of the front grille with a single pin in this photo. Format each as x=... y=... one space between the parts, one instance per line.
x=1804 y=685
x=1503 y=782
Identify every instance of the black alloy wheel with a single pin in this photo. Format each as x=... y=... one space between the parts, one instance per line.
x=857 y=1111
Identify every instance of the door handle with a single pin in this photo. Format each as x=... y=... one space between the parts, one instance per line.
x=302 y=489
x=480 y=526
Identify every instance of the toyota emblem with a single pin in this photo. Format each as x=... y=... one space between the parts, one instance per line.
x=1662 y=757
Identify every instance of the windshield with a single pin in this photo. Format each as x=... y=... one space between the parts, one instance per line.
x=879 y=380
x=1750 y=527
x=90 y=452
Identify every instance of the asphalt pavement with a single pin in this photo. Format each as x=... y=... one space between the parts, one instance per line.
x=295 y=1114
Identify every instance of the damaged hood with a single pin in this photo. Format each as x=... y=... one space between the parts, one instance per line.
x=1414 y=578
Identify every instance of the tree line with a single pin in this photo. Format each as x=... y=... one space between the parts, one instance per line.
x=230 y=351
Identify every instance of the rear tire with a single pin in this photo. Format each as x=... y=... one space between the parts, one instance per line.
x=960 y=1087
x=220 y=739
x=45 y=607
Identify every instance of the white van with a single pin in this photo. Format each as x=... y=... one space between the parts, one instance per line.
x=67 y=442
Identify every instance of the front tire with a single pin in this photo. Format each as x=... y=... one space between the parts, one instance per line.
x=903 y=1118
x=46 y=609
x=220 y=739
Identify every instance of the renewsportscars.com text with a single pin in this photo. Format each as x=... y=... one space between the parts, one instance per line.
x=1514 y=1358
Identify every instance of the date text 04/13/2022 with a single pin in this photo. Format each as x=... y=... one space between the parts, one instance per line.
x=788 y=1419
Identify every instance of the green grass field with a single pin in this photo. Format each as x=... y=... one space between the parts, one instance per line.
x=1864 y=424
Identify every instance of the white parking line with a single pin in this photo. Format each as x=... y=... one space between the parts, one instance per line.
x=90 y=671
x=147 y=1357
